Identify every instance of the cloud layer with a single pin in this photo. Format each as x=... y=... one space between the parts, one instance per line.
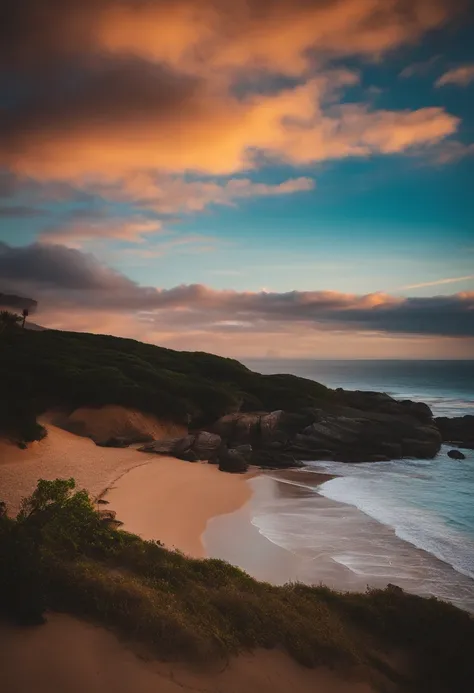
x=107 y=90
x=68 y=279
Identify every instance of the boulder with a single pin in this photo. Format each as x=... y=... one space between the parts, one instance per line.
x=274 y=459
x=419 y=410
x=334 y=431
x=384 y=404
x=238 y=428
x=268 y=424
x=459 y=429
x=421 y=449
x=392 y=450
x=232 y=461
x=162 y=447
x=183 y=445
x=206 y=444
x=456 y=455
x=245 y=451
x=248 y=428
x=188 y=456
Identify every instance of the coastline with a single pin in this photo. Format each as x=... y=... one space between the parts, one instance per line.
x=202 y=512
x=288 y=532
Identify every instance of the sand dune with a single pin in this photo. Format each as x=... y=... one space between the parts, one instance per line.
x=69 y=655
x=112 y=420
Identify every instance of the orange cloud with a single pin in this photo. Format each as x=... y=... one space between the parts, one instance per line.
x=461 y=76
x=277 y=35
x=196 y=35
x=75 y=232
x=171 y=194
x=108 y=131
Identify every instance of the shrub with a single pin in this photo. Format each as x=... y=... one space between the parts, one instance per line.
x=60 y=554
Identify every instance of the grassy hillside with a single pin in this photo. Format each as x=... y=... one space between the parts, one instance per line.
x=39 y=370
x=60 y=555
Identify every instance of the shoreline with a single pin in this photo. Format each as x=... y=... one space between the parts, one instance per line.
x=172 y=501
x=290 y=533
x=202 y=512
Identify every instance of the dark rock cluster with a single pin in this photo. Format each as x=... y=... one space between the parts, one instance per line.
x=356 y=427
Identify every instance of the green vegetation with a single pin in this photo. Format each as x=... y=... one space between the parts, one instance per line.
x=41 y=370
x=60 y=554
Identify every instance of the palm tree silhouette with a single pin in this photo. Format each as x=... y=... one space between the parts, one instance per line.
x=25 y=314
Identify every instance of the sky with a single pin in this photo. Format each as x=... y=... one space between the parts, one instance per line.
x=284 y=178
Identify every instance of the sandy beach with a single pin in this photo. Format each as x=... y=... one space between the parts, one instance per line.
x=154 y=496
x=172 y=500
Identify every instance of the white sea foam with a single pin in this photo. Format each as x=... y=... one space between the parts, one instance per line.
x=428 y=504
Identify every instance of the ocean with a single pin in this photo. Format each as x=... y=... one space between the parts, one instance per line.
x=427 y=504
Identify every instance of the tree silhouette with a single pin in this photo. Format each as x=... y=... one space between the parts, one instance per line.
x=25 y=314
x=9 y=320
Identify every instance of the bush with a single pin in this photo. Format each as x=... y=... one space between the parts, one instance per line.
x=42 y=370
x=60 y=554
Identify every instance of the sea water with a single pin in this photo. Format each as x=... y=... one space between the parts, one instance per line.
x=428 y=503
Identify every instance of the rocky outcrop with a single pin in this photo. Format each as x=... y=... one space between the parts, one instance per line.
x=206 y=444
x=384 y=404
x=456 y=455
x=358 y=427
x=458 y=430
x=201 y=446
x=247 y=428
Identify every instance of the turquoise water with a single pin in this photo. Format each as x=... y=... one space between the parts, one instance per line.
x=429 y=503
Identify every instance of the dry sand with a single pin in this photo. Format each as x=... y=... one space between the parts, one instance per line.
x=160 y=498
x=70 y=656
x=61 y=454
x=173 y=501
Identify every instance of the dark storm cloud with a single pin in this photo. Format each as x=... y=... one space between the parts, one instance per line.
x=17 y=303
x=57 y=267
x=66 y=277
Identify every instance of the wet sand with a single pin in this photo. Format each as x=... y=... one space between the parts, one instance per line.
x=288 y=532
x=172 y=501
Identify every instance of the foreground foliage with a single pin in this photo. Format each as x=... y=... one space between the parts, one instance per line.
x=60 y=554
x=40 y=370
